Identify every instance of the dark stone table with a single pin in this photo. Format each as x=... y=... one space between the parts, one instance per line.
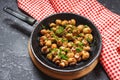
x=15 y=63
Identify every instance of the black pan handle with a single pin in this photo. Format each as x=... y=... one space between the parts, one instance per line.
x=26 y=19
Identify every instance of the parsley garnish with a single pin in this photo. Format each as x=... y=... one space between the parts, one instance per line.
x=86 y=26
x=59 y=30
x=81 y=35
x=56 y=38
x=88 y=39
x=78 y=49
x=64 y=40
x=66 y=50
x=80 y=44
x=43 y=26
x=63 y=56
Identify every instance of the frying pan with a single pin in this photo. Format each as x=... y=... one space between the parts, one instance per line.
x=35 y=34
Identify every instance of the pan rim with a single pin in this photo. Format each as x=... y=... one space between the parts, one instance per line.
x=72 y=70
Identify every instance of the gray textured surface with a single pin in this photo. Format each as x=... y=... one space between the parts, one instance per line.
x=15 y=63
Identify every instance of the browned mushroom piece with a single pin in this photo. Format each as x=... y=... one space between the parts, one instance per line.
x=86 y=48
x=53 y=46
x=52 y=25
x=49 y=56
x=52 y=39
x=57 y=62
x=70 y=55
x=62 y=47
x=68 y=28
x=70 y=44
x=62 y=64
x=65 y=61
x=87 y=30
x=63 y=52
x=78 y=57
x=43 y=31
x=58 y=21
x=64 y=44
x=89 y=37
x=84 y=41
x=48 y=43
x=80 y=28
x=56 y=58
x=59 y=42
x=64 y=22
x=45 y=49
x=42 y=40
x=79 y=38
x=69 y=36
x=85 y=55
x=53 y=29
x=72 y=61
x=76 y=42
x=72 y=21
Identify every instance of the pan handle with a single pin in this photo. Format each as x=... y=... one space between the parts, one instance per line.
x=26 y=19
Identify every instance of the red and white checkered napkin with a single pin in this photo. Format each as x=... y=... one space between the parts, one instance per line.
x=107 y=22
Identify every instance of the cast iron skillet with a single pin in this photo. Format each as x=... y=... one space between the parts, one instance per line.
x=36 y=49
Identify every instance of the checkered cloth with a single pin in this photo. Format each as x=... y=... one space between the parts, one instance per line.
x=107 y=22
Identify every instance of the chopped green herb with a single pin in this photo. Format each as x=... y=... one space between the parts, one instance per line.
x=43 y=26
x=63 y=40
x=64 y=57
x=54 y=36
x=81 y=35
x=86 y=26
x=73 y=44
x=51 y=29
x=66 y=50
x=59 y=54
x=60 y=30
x=78 y=49
x=60 y=50
x=55 y=49
x=80 y=44
x=88 y=39
x=74 y=37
